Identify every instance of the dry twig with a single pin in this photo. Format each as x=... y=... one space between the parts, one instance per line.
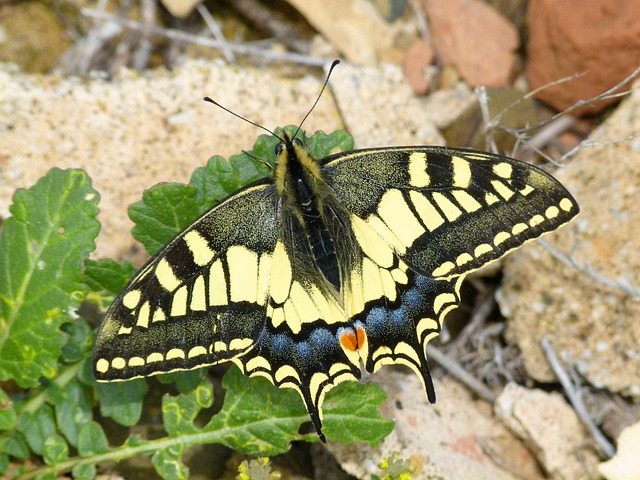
x=455 y=369
x=575 y=397
x=179 y=35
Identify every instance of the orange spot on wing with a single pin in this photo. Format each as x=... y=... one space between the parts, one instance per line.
x=348 y=340
x=352 y=341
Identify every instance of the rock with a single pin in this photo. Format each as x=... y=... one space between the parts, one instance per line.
x=591 y=323
x=473 y=37
x=180 y=8
x=457 y=438
x=417 y=58
x=380 y=109
x=353 y=27
x=550 y=428
x=625 y=465
x=599 y=39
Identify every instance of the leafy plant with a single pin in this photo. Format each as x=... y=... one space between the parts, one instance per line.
x=52 y=412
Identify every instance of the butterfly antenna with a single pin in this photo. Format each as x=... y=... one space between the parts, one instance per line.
x=326 y=81
x=210 y=100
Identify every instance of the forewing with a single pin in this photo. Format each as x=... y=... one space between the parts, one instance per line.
x=201 y=300
x=447 y=211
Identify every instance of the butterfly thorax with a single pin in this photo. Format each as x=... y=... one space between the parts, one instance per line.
x=303 y=193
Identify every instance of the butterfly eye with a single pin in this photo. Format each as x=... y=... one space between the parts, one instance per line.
x=296 y=141
x=279 y=148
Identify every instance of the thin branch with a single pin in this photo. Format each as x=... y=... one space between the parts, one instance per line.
x=215 y=29
x=173 y=34
x=594 y=143
x=142 y=54
x=575 y=397
x=628 y=288
x=455 y=369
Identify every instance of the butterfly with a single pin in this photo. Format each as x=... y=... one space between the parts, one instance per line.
x=327 y=266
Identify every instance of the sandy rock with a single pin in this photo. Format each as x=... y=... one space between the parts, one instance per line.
x=380 y=109
x=591 y=324
x=599 y=38
x=353 y=27
x=550 y=428
x=473 y=37
x=457 y=438
x=139 y=130
x=625 y=465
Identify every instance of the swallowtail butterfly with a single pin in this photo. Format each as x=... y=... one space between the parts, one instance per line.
x=326 y=265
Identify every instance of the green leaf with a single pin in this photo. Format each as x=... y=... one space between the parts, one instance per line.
x=185 y=381
x=56 y=449
x=352 y=413
x=91 y=439
x=108 y=275
x=164 y=211
x=322 y=145
x=84 y=472
x=80 y=338
x=72 y=408
x=37 y=427
x=256 y=417
x=8 y=415
x=42 y=250
x=168 y=464
x=179 y=412
x=122 y=401
x=15 y=445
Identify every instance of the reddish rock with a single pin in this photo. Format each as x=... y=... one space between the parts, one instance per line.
x=474 y=38
x=599 y=38
x=417 y=58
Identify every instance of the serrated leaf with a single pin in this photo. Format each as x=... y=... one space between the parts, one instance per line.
x=169 y=465
x=164 y=211
x=42 y=250
x=84 y=472
x=261 y=419
x=322 y=145
x=91 y=439
x=37 y=427
x=8 y=415
x=108 y=275
x=179 y=412
x=72 y=408
x=184 y=381
x=352 y=413
x=80 y=338
x=56 y=449
x=15 y=445
x=122 y=401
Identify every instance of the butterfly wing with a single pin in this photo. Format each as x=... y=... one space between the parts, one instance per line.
x=201 y=300
x=425 y=217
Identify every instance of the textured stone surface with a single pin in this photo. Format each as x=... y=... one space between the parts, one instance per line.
x=474 y=38
x=136 y=131
x=380 y=109
x=353 y=27
x=550 y=428
x=625 y=465
x=455 y=439
x=592 y=325
x=599 y=38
